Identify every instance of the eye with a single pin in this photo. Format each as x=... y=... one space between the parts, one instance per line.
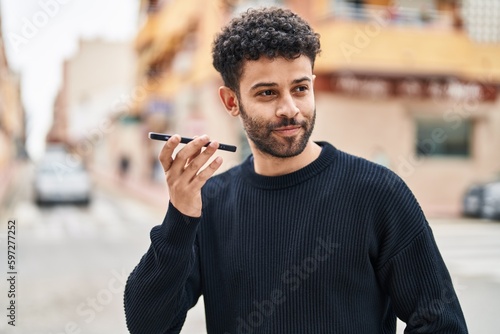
x=266 y=92
x=301 y=89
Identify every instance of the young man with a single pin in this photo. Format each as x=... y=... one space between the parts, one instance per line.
x=299 y=238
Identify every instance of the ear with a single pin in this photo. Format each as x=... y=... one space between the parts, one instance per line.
x=229 y=100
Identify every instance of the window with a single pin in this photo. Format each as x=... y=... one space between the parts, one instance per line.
x=436 y=137
x=401 y=12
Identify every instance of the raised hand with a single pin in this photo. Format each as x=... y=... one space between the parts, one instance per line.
x=183 y=173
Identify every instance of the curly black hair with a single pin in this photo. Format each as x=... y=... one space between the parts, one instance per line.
x=271 y=32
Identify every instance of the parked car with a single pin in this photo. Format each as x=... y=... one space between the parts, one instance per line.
x=55 y=152
x=57 y=182
x=483 y=201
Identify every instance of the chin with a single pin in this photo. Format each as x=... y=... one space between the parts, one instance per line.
x=291 y=149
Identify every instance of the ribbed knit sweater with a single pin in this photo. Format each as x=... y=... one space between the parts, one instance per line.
x=339 y=246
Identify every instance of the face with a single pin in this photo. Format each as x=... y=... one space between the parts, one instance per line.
x=276 y=105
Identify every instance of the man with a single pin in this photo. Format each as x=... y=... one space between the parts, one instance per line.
x=299 y=238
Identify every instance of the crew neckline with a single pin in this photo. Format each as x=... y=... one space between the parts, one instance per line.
x=325 y=159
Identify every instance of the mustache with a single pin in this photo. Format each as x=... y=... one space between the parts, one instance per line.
x=286 y=122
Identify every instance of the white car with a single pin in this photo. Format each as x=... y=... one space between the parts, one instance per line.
x=57 y=182
x=491 y=201
x=482 y=201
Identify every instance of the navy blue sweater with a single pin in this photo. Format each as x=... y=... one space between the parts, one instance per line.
x=339 y=246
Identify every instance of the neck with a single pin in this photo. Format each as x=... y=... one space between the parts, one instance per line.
x=267 y=165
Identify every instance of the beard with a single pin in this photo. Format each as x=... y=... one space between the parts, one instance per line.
x=260 y=132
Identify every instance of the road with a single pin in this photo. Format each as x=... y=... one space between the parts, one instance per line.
x=72 y=264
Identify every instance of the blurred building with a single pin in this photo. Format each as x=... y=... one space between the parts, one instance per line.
x=91 y=110
x=12 y=125
x=405 y=85
x=410 y=84
x=483 y=20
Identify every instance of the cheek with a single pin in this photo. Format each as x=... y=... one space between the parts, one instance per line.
x=306 y=105
x=259 y=111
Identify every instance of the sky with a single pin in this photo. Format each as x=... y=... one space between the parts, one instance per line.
x=40 y=34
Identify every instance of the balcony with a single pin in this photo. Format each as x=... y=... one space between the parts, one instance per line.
x=371 y=38
x=403 y=13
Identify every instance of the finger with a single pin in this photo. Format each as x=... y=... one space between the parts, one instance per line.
x=188 y=151
x=205 y=174
x=191 y=158
x=197 y=163
x=165 y=155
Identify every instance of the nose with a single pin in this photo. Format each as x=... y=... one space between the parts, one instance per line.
x=287 y=107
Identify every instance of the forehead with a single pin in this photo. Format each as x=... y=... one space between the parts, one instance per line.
x=280 y=71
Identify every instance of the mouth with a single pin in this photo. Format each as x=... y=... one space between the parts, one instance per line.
x=287 y=131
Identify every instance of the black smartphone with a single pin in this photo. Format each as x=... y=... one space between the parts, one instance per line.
x=185 y=140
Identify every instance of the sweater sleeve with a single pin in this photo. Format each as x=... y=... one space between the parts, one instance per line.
x=411 y=269
x=166 y=282
x=421 y=289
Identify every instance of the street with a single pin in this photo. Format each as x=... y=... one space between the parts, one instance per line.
x=311 y=89
x=73 y=262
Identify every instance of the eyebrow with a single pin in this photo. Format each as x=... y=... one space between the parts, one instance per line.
x=273 y=84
